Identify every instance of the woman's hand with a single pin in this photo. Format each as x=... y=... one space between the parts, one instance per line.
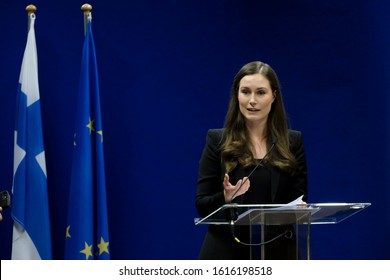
x=231 y=191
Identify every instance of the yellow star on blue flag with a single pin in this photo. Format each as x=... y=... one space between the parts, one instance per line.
x=87 y=211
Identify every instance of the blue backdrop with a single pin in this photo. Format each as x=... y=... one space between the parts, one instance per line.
x=166 y=69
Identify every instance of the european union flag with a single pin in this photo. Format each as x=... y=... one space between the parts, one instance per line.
x=30 y=209
x=87 y=227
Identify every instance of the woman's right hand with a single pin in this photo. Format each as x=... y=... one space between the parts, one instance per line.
x=232 y=191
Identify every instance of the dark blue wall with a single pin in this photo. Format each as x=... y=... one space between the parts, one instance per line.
x=165 y=73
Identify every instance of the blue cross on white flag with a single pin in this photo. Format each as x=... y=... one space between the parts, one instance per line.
x=30 y=209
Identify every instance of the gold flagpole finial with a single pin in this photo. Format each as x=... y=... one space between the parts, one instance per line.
x=86 y=8
x=31 y=9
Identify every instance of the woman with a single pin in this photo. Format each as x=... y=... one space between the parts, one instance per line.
x=255 y=129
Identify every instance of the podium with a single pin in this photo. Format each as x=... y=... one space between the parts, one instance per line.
x=299 y=218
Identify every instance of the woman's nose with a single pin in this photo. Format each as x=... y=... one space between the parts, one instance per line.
x=252 y=100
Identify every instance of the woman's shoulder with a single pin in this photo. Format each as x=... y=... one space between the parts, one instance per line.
x=215 y=135
x=295 y=135
x=216 y=132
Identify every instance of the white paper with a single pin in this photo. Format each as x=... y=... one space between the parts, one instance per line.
x=291 y=205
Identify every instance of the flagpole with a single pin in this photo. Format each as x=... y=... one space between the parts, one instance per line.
x=87 y=235
x=30 y=10
x=86 y=8
x=30 y=210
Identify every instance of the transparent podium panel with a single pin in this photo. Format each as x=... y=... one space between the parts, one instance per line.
x=273 y=226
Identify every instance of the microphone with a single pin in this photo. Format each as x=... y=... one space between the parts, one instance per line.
x=253 y=170
x=231 y=213
x=5 y=199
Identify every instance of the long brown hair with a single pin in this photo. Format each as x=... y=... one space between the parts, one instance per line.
x=236 y=145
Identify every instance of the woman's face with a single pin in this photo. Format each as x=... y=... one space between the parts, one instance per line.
x=255 y=98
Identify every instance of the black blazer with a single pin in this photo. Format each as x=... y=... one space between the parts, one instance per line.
x=285 y=187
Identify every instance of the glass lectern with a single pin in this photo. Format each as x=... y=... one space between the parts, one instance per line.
x=300 y=217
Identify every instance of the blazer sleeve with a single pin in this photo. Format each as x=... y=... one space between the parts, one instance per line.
x=209 y=195
x=299 y=179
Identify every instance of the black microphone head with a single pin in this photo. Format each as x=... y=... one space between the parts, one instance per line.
x=231 y=212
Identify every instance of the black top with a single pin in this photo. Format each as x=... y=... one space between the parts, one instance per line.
x=260 y=184
x=269 y=184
